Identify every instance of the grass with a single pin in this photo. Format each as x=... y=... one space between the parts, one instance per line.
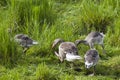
x=46 y=20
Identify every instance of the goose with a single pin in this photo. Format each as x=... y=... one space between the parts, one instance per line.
x=91 y=59
x=25 y=41
x=93 y=38
x=67 y=50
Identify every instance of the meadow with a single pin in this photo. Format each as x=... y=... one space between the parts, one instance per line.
x=46 y=20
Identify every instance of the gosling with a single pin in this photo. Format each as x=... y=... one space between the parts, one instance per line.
x=25 y=41
x=67 y=50
x=91 y=59
x=93 y=38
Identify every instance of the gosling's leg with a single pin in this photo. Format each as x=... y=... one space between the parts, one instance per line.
x=72 y=65
x=94 y=70
x=91 y=45
x=25 y=50
x=102 y=45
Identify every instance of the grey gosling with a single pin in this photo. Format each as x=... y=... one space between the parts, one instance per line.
x=67 y=50
x=91 y=59
x=93 y=38
x=25 y=41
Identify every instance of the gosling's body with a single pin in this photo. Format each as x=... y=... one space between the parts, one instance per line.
x=67 y=50
x=25 y=41
x=91 y=59
x=93 y=38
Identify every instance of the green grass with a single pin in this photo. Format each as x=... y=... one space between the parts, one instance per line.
x=46 y=20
